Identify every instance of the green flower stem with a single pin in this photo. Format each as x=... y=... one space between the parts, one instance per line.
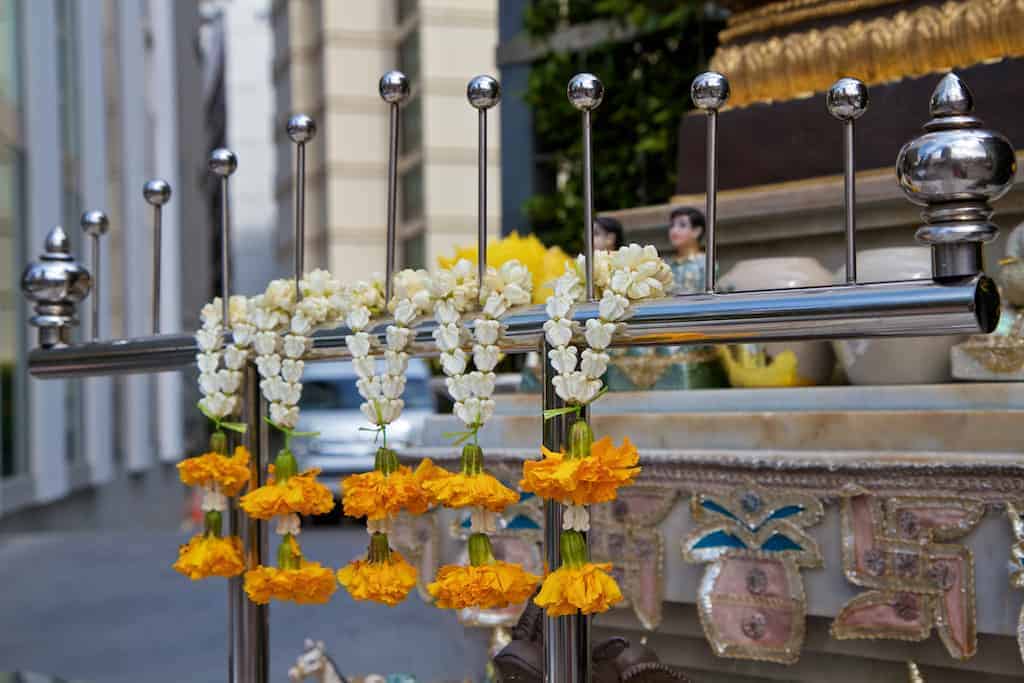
x=472 y=459
x=213 y=523
x=286 y=559
x=219 y=442
x=581 y=438
x=386 y=461
x=285 y=466
x=574 y=549
x=380 y=550
x=480 y=551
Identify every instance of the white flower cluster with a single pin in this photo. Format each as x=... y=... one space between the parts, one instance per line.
x=220 y=385
x=382 y=393
x=455 y=291
x=631 y=274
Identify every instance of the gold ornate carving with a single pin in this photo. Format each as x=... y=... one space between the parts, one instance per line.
x=782 y=14
x=910 y=43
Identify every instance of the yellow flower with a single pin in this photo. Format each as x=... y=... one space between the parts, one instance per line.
x=487 y=586
x=465 y=490
x=207 y=555
x=587 y=588
x=545 y=264
x=595 y=478
x=383 y=577
x=310 y=584
x=299 y=493
x=376 y=495
x=231 y=474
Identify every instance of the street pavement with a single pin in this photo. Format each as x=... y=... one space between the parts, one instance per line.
x=108 y=608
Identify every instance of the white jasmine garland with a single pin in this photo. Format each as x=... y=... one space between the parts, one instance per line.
x=455 y=291
x=220 y=366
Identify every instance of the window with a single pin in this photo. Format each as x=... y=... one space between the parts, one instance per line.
x=409 y=56
x=414 y=251
x=412 y=125
x=412 y=193
x=406 y=8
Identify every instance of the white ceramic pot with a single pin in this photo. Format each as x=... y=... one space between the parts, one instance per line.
x=815 y=360
x=913 y=360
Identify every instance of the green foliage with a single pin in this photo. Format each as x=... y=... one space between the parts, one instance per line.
x=647 y=89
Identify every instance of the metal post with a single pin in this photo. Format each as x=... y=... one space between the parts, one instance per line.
x=95 y=224
x=394 y=89
x=847 y=100
x=156 y=192
x=301 y=129
x=254 y=619
x=566 y=639
x=483 y=92
x=585 y=92
x=223 y=163
x=709 y=92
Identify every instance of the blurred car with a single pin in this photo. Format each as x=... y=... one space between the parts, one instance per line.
x=330 y=405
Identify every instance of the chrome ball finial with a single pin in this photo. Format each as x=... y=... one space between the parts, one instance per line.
x=95 y=223
x=301 y=128
x=585 y=91
x=955 y=170
x=394 y=87
x=709 y=91
x=223 y=162
x=157 y=192
x=483 y=92
x=847 y=99
x=55 y=283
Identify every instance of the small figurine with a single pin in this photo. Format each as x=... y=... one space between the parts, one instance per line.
x=315 y=661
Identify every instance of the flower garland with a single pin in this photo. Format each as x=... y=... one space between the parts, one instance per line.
x=384 y=576
x=590 y=472
x=280 y=336
x=486 y=583
x=219 y=476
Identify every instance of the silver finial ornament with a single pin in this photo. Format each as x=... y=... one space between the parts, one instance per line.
x=301 y=128
x=394 y=87
x=709 y=91
x=223 y=162
x=55 y=284
x=95 y=223
x=585 y=91
x=156 y=192
x=483 y=92
x=955 y=170
x=847 y=99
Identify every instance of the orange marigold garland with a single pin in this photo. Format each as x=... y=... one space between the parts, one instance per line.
x=486 y=583
x=578 y=585
x=385 y=491
x=384 y=576
x=284 y=497
x=209 y=553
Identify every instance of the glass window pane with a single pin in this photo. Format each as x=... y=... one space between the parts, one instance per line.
x=414 y=251
x=412 y=125
x=412 y=193
x=409 y=56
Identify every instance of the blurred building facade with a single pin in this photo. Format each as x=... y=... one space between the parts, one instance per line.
x=328 y=59
x=92 y=104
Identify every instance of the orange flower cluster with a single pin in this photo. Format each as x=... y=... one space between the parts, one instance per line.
x=487 y=586
x=231 y=474
x=465 y=490
x=594 y=478
x=207 y=555
x=587 y=588
x=387 y=582
x=299 y=493
x=310 y=584
x=377 y=495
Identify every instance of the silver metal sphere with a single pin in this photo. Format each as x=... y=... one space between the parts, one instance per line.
x=394 y=87
x=95 y=223
x=483 y=92
x=223 y=161
x=709 y=91
x=157 y=192
x=301 y=128
x=951 y=97
x=55 y=283
x=585 y=91
x=847 y=99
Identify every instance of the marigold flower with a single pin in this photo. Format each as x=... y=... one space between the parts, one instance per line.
x=376 y=495
x=486 y=583
x=578 y=585
x=310 y=584
x=207 y=555
x=595 y=478
x=231 y=474
x=467 y=490
x=288 y=492
x=383 y=577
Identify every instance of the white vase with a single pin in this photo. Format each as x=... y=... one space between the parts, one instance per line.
x=913 y=360
x=815 y=360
